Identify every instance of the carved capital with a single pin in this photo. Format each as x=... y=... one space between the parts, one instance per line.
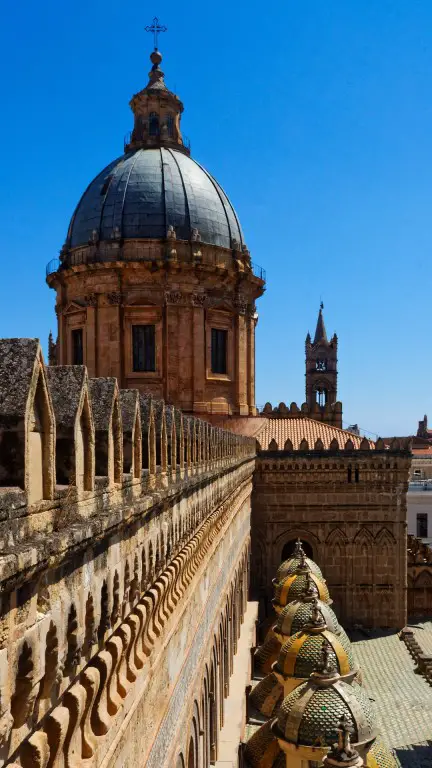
x=114 y=298
x=198 y=299
x=173 y=297
x=91 y=300
x=240 y=304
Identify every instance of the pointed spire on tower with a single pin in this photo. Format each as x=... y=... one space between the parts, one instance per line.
x=320 y=333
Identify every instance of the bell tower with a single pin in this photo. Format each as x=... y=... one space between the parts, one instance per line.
x=321 y=373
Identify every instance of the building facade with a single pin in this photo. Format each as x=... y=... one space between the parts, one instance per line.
x=129 y=518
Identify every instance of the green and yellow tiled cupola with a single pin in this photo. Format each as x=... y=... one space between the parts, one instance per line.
x=301 y=654
x=308 y=719
x=296 y=614
x=293 y=586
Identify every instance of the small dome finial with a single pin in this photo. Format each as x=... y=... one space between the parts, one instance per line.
x=155 y=58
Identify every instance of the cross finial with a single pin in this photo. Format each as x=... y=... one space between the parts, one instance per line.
x=156 y=28
x=321 y=304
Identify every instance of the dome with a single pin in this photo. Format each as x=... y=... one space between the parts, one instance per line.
x=294 y=617
x=289 y=566
x=295 y=586
x=146 y=191
x=310 y=714
x=267 y=652
x=262 y=749
x=301 y=654
x=267 y=695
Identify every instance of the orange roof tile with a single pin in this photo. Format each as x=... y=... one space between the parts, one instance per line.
x=304 y=428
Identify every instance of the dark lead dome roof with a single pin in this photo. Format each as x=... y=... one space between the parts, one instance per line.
x=147 y=190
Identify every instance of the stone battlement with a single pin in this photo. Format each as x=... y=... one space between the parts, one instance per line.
x=294 y=411
x=331 y=413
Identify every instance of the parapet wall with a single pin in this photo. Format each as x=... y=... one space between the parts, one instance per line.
x=113 y=511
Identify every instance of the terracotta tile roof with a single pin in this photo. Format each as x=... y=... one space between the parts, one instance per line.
x=304 y=428
x=296 y=429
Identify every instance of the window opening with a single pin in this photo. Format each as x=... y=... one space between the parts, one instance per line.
x=218 y=350
x=77 y=347
x=153 y=124
x=321 y=396
x=321 y=365
x=144 y=348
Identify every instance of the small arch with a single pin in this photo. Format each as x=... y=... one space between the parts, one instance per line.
x=88 y=440
x=289 y=547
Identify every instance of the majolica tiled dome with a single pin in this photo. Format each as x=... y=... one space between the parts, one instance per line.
x=294 y=617
x=289 y=566
x=267 y=695
x=310 y=714
x=267 y=652
x=294 y=586
x=262 y=749
x=301 y=654
x=146 y=191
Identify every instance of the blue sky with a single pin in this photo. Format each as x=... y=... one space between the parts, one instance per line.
x=316 y=118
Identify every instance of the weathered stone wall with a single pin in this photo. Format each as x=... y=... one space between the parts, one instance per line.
x=121 y=605
x=349 y=506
